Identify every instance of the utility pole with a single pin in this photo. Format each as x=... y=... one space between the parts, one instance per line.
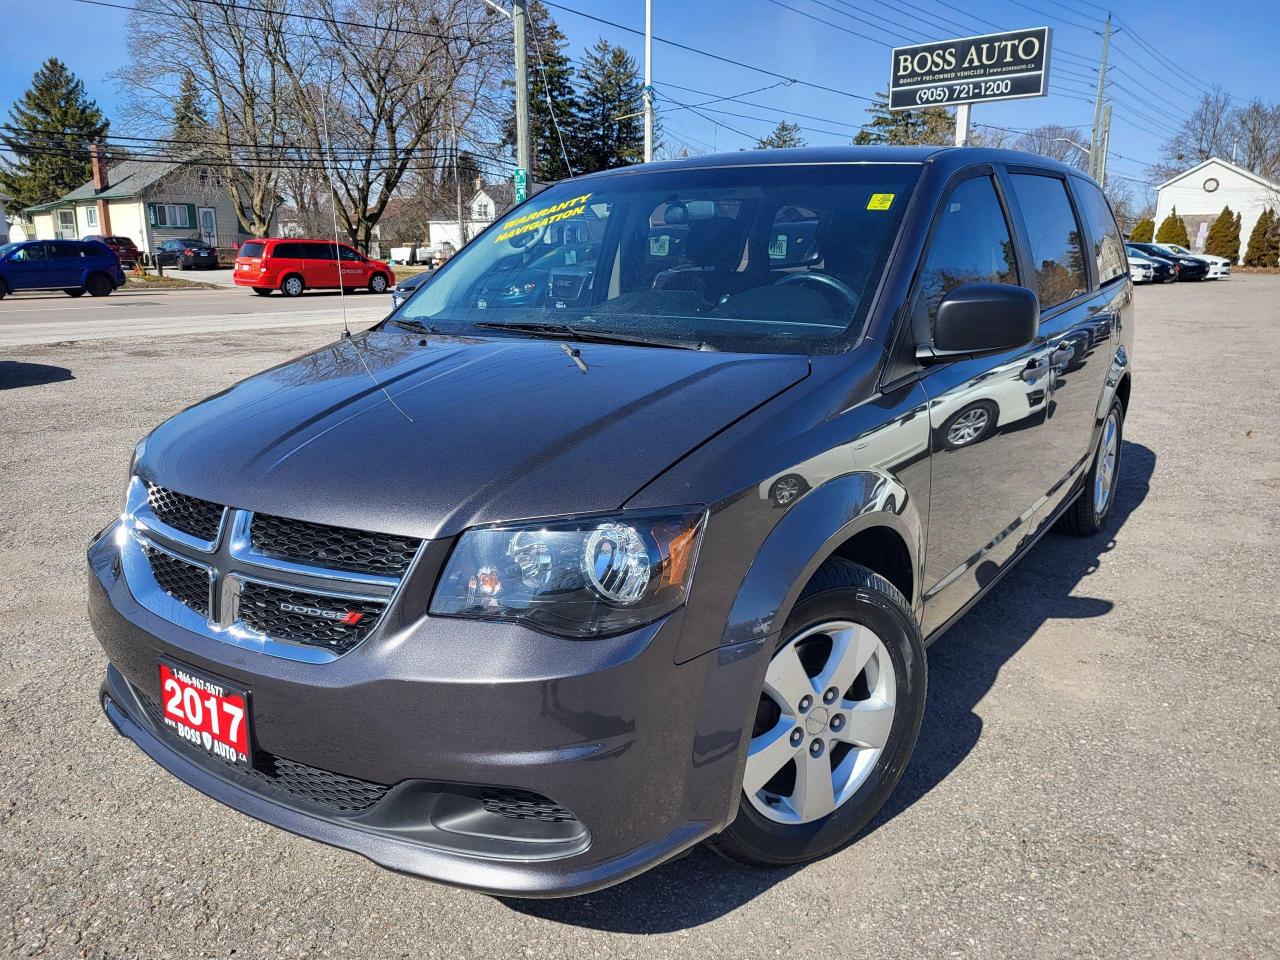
x=1102 y=147
x=1096 y=139
x=648 y=81
x=457 y=184
x=518 y=14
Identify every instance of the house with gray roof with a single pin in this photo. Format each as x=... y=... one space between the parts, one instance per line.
x=149 y=201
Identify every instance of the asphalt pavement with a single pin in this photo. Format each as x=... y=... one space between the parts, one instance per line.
x=1098 y=774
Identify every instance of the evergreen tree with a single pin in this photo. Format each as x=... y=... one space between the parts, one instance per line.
x=1144 y=231
x=551 y=77
x=926 y=125
x=1262 y=241
x=190 y=125
x=785 y=134
x=1173 y=230
x=610 y=128
x=49 y=132
x=1219 y=236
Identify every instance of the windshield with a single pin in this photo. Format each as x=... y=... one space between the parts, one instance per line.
x=768 y=259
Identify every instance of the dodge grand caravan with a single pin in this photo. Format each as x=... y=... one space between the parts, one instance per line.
x=293 y=266
x=528 y=595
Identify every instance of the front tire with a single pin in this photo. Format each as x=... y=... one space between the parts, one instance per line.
x=1089 y=513
x=837 y=720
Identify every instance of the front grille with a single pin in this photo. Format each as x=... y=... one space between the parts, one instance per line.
x=338 y=548
x=523 y=805
x=261 y=608
x=191 y=515
x=298 y=780
x=183 y=581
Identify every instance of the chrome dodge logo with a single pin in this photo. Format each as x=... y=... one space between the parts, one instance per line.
x=349 y=617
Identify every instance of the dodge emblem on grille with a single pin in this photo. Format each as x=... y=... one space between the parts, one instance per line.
x=349 y=617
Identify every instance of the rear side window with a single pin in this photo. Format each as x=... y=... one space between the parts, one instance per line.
x=315 y=251
x=253 y=248
x=66 y=249
x=1057 y=247
x=971 y=243
x=1108 y=247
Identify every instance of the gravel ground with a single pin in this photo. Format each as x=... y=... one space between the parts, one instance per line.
x=1098 y=775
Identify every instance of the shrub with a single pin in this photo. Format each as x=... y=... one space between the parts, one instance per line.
x=1173 y=230
x=1144 y=231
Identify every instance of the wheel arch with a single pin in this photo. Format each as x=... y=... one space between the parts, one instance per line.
x=867 y=517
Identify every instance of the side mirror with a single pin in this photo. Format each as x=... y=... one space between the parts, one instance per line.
x=978 y=319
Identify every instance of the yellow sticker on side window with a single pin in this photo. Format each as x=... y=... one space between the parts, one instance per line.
x=880 y=201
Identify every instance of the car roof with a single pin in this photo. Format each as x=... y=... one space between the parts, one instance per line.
x=950 y=157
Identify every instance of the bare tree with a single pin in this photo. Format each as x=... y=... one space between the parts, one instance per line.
x=1257 y=138
x=1208 y=132
x=1057 y=142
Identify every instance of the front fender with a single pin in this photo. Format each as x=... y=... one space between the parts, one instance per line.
x=810 y=532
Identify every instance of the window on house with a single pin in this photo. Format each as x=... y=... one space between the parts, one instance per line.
x=66 y=224
x=91 y=216
x=172 y=215
x=483 y=210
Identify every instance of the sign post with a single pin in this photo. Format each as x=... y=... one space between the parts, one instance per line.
x=957 y=73
x=520 y=180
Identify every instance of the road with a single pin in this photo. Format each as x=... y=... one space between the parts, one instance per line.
x=53 y=317
x=1098 y=774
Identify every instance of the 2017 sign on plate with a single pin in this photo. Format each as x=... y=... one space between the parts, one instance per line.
x=206 y=712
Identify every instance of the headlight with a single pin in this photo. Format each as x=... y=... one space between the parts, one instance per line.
x=586 y=577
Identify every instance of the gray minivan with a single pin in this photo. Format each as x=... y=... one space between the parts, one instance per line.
x=630 y=528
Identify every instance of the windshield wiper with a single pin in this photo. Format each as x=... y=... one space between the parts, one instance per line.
x=560 y=331
x=416 y=325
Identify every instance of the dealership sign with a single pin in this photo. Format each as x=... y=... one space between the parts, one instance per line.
x=997 y=66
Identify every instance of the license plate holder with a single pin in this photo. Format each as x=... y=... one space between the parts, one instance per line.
x=206 y=712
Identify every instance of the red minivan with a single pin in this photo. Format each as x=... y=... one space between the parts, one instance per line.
x=292 y=266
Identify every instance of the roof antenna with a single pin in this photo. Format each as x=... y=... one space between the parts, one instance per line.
x=333 y=208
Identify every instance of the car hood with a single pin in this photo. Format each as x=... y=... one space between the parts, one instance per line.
x=424 y=436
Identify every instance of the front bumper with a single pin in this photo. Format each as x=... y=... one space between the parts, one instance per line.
x=645 y=753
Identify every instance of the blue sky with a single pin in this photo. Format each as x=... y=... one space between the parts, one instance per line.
x=1229 y=44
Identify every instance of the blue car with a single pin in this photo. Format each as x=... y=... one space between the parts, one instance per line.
x=74 y=266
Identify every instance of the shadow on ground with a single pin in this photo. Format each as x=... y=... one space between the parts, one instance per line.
x=15 y=373
x=962 y=668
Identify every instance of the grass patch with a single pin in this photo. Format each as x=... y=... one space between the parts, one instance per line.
x=151 y=281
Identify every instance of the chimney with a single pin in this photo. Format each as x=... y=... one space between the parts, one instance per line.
x=479 y=183
x=100 y=182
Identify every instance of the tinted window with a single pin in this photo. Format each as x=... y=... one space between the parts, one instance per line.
x=1108 y=247
x=1057 y=250
x=687 y=255
x=66 y=249
x=316 y=251
x=971 y=243
x=252 y=249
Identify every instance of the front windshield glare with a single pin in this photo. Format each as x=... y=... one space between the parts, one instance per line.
x=769 y=259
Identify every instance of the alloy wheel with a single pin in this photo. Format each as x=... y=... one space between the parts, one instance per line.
x=969 y=426
x=1104 y=476
x=822 y=724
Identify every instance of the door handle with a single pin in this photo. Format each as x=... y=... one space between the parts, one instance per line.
x=1034 y=370
x=1061 y=357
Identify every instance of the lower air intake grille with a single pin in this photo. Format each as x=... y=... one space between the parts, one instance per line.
x=276 y=774
x=191 y=515
x=523 y=805
x=339 y=548
x=307 y=618
x=183 y=581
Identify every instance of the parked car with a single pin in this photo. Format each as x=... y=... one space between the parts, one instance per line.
x=530 y=598
x=123 y=247
x=1163 y=270
x=1219 y=267
x=74 y=266
x=1141 y=270
x=188 y=254
x=404 y=288
x=292 y=266
x=1189 y=268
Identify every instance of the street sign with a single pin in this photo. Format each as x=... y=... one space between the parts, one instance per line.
x=521 y=182
x=995 y=66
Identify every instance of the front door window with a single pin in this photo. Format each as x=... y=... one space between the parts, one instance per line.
x=66 y=225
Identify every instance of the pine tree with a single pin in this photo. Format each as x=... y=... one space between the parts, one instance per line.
x=1173 y=230
x=610 y=128
x=49 y=132
x=1144 y=231
x=927 y=125
x=1218 y=242
x=190 y=125
x=1259 y=252
x=785 y=134
x=551 y=77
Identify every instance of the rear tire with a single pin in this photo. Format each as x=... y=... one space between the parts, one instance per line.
x=98 y=285
x=263 y=291
x=292 y=285
x=1089 y=513
x=74 y=292
x=852 y=629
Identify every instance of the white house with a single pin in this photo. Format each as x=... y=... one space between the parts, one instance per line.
x=488 y=202
x=1201 y=192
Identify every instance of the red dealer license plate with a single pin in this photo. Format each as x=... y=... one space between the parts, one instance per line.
x=206 y=712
